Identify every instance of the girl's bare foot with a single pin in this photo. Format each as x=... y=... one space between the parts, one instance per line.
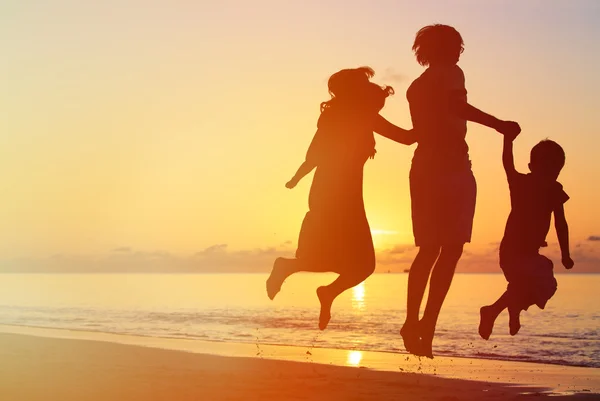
x=486 y=321
x=326 y=300
x=276 y=278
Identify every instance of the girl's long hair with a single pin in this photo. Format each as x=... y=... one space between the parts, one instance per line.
x=349 y=85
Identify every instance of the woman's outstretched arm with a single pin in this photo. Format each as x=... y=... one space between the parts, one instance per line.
x=385 y=128
x=471 y=113
x=457 y=96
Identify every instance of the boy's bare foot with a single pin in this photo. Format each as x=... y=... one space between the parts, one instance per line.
x=326 y=300
x=276 y=278
x=410 y=337
x=514 y=322
x=486 y=322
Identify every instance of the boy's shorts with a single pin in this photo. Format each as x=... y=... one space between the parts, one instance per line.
x=530 y=279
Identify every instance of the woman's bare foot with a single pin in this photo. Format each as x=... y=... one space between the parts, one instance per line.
x=326 y=300
x=514 y=321
x=410 y=337
x=487 y=317
x=426 y=342
x=276 y=279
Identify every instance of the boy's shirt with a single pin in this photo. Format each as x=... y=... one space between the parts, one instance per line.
x=532 y=203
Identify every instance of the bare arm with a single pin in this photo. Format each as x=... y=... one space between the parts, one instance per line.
x=464 y=110
x=470 y=113
x=385 y=128
x=303 y=170
x=562 y=232
x=507 y=158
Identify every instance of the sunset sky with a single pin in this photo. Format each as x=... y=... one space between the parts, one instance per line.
x=159 y=134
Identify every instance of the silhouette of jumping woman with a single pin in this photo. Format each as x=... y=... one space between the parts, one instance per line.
x=335 y=234
x=442 y=185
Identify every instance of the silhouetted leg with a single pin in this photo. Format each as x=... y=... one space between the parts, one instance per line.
x=516 y=305
x=345 y=281
x=514 y=320
x=417 y=281
x=283 y=268
x=441 y=278
x=489 y=314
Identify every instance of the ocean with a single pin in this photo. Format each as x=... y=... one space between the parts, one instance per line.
x=235 y=308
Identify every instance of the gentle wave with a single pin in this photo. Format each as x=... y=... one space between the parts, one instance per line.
x=270 y=328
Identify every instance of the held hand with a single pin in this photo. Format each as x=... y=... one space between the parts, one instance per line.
x=411 y=136
x=291 y=183
x=568 y=262
x=509 y=129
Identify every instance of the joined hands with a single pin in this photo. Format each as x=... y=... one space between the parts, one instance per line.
x=509 y=129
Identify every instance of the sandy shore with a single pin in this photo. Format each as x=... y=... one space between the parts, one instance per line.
x=38 y=368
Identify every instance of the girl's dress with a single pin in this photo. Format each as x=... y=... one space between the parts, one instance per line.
x=335 y=234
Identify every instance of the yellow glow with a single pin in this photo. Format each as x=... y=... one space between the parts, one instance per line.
x=358 y=296
x=354 y=358
x=384 y=232
x=177 y=156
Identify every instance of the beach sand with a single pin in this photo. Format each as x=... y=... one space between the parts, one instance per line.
x=66 y=369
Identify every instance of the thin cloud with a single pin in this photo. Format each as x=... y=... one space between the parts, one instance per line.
x=122 y=249
x=391 y=76
x=219 y=258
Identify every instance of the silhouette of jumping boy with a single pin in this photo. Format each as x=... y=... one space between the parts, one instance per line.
x=534 y=198
x=335 y=234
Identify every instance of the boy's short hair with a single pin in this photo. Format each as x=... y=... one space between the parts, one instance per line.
x=547 y=155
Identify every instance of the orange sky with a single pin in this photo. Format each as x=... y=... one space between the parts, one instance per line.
x=143 y=131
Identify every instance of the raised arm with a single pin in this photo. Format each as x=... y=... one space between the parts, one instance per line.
x=507 y=158
x=562 y=232
x=385 y=128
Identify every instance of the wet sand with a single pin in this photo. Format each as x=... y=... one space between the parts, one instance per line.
x=68 y=369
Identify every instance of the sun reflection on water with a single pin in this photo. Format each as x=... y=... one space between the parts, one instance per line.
x=358 y=296
x=354 y=358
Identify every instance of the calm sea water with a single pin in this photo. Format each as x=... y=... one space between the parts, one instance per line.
x=235 y=308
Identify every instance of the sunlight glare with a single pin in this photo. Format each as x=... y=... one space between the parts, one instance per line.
x=354 y=358
x=358 y=296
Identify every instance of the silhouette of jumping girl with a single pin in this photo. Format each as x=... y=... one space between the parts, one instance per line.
x=442 y=185
x=335 y=234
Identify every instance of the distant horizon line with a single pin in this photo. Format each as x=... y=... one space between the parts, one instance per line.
x=214 y=273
